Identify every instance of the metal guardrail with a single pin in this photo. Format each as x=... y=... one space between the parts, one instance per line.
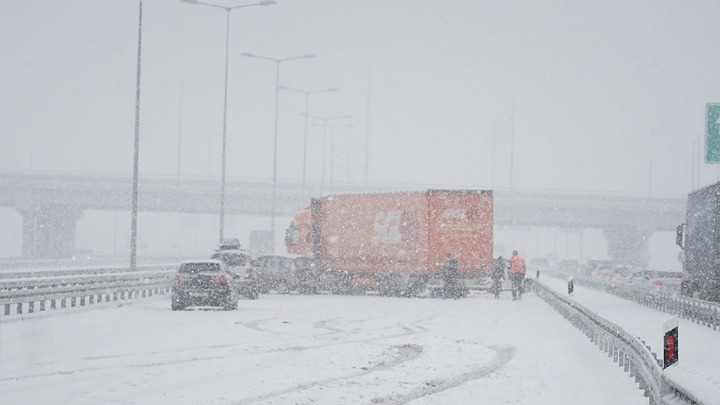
x=625 y=350
x=20 y=264
x=89 y=271
x=702 y=312
x=80 y=288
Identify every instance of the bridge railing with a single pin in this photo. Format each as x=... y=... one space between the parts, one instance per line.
x=77 y=288
x=624 y=349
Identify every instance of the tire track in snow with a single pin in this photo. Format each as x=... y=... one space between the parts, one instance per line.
x=403 y=353
x=503 y=355
x=242 y=350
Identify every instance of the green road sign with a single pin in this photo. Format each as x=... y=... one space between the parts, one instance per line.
x=712 y=133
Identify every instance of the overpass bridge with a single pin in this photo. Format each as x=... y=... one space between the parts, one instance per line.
x=51 y=204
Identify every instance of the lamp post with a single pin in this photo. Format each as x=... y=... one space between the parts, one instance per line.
x=275 y=141
x=136 y=150
x=307 y=94
x=325 y=121
x=692 y=165
x=512 y=142
x=227 y=9
x=696 y=159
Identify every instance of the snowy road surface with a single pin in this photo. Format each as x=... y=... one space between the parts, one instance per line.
x=309 y=350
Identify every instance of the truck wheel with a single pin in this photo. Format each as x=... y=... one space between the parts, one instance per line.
x=230 y=304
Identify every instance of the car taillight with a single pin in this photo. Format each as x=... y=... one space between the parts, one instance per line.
x=178 y=281
x=222 y=280
x=658 y=282
x=249 y=273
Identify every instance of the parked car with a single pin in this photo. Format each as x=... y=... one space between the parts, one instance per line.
x=239 y=264
x=286 y=272
x=203 y=283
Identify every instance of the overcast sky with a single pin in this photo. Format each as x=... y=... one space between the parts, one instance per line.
x=604 y=92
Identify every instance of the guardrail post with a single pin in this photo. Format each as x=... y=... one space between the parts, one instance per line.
x=7 y=309
x=31 y=307
x=42 y=305
x=19 y=308
x=621 y=359
x=82 y=301
x=73 y=301
x=143 y=293
x=91 y=300
x=52 y=303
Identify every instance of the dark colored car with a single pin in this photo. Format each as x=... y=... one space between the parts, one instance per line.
x=275 y=272
x=203 y=283
x=308 y=278
x=239 y=264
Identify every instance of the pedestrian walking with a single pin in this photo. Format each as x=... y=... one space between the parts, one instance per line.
x=451 y=278
x=517 y=270
x=497 y=276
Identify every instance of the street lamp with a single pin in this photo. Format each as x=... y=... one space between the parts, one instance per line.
x=136 y=150
x=325 y=121
x=275 y=141
x=227 y=55
x=307 y=94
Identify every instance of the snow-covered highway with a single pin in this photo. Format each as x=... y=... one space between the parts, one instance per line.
x=308 y=349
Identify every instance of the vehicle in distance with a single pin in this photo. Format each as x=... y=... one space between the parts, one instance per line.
x=203 y=283
x=239 y=264
x=657 y=279
x=568 y=266
x=285 y=273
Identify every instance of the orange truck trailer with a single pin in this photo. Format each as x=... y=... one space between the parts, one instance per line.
x=395 y=243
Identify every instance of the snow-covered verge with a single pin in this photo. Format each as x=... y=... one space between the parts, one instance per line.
x=697 y=370
x=309 y=349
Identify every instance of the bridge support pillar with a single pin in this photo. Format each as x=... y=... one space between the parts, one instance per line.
x=628 y=245
x=49 y=231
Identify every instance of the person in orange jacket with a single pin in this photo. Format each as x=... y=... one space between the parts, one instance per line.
x=517 y=272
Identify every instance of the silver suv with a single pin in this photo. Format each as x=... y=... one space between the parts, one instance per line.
x=240 y=266
x=203 y=283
